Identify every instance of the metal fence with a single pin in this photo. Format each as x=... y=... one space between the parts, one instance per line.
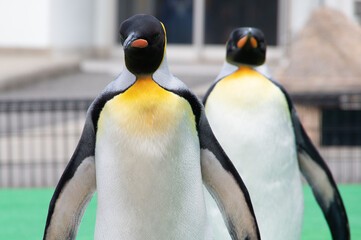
x=344 y=163
x=38 y=137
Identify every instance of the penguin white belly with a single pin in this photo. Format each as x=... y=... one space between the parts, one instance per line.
x=148 y=168
x=253 y=125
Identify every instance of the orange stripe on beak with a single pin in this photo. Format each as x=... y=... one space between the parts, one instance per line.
x=242 y=41
x=254 y=42
x=139 y=43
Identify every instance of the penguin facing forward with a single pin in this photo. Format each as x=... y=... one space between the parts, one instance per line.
x=147 y=149
x=253 y=118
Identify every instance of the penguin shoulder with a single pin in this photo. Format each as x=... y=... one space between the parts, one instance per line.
x=172 y=84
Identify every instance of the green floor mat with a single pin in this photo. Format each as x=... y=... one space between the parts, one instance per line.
x=23 y=214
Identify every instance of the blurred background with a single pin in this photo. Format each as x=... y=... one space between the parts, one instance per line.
x=57 y=55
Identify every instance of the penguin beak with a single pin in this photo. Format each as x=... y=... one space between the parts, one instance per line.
x=241 y=42
x=133 y=41
x=254 y=42
x=139 y=43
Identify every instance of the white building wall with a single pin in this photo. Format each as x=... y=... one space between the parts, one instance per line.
x=72 y=24
x=47 y=24
x=25 y=23
x=106 y=25
x=300 y=11
x=84 y=24
x=345 y=6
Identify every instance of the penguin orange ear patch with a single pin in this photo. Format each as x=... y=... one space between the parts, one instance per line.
x=242 y=41
x=140 y=43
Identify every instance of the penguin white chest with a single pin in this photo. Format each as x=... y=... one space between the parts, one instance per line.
x=250 y=118
x=148 y=167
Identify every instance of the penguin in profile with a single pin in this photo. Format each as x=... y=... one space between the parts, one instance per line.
x=256 y=123
x=147 y=149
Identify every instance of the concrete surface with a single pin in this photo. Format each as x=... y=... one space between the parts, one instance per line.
x=20 y=68
x=44 y=76
x=35 y=73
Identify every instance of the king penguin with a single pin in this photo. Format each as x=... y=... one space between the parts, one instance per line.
x=147 y=149
x=254 y=120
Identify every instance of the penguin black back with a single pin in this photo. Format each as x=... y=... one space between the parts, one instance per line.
x=144 y=40
x=246 y=46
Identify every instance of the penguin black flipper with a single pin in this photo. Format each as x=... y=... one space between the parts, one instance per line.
x=319 y=177
x=74 y=190
x=77 y=184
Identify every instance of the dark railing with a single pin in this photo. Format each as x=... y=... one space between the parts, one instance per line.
x=38 y=137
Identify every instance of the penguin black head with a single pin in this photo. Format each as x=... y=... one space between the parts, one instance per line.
x=144 y=40
x=246 y=46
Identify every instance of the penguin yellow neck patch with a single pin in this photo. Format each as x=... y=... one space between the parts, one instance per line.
x=246 y=88
x=145 y=109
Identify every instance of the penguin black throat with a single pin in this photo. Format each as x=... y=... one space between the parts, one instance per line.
x=143 y=59
x=246 y=56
